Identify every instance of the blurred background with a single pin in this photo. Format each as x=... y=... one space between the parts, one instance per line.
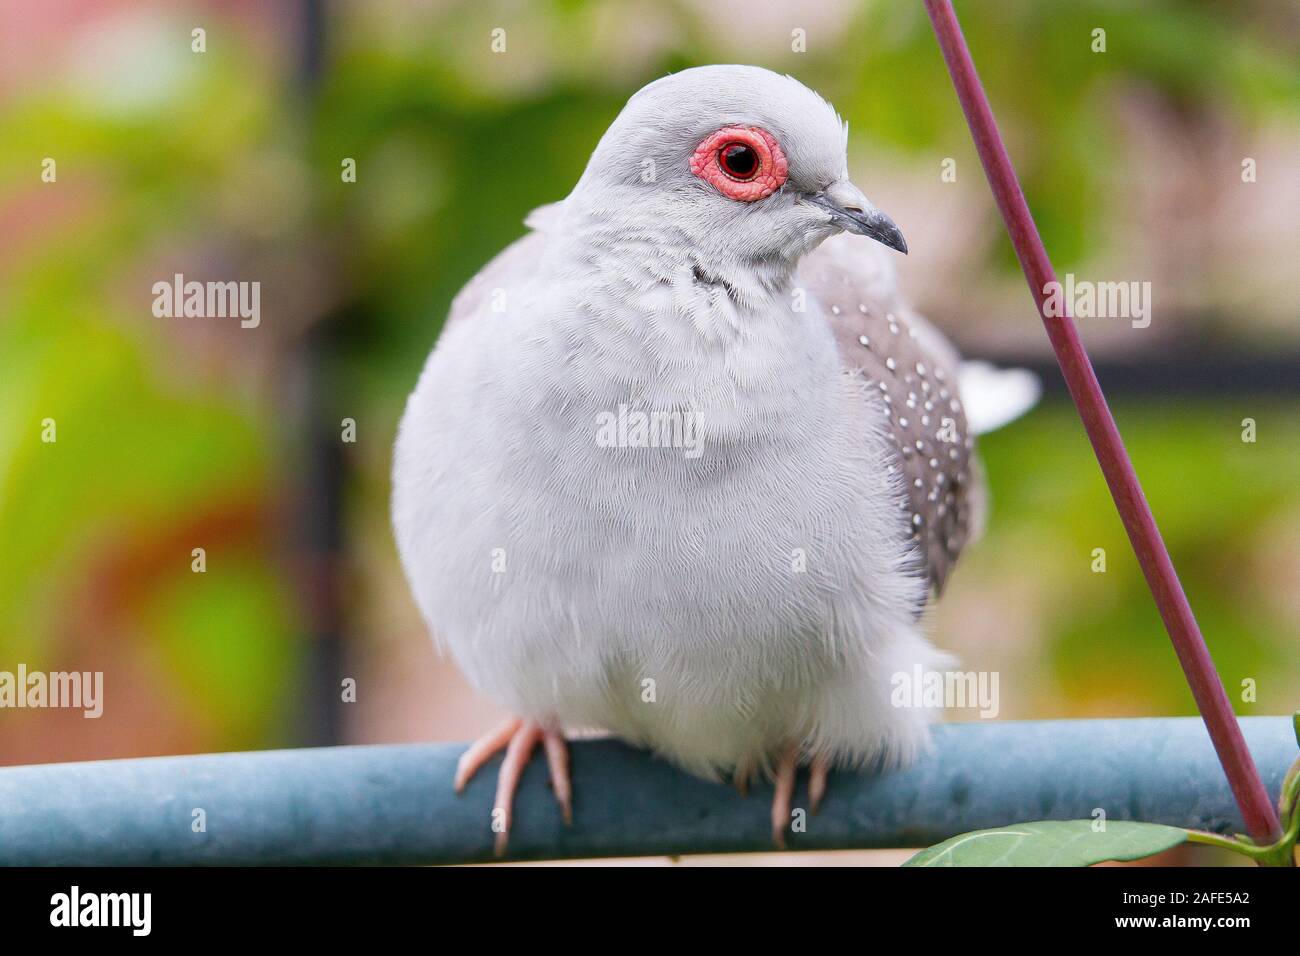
x=229 y=164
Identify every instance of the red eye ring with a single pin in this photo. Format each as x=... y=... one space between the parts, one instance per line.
x=745 y=163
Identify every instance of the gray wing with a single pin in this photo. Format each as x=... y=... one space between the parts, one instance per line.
x=914 y=369
x=513 y=266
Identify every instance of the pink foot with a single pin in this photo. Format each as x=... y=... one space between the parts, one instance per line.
x=480 y=751
x=817 y=783
x=786 y=770
x=740 y=780
x=784 y=781
x=520 y=739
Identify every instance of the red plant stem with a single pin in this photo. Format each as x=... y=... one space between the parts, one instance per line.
x=1212 y=700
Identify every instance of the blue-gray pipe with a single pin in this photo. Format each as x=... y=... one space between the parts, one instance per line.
x=394 y=804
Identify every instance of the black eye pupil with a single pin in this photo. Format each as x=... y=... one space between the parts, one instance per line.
x=739 y=160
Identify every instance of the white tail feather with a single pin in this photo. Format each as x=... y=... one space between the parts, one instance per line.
x=993 y=397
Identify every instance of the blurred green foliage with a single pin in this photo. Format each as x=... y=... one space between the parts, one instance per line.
x=1220 y=503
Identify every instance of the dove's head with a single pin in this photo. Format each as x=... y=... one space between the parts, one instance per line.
x=743 y=166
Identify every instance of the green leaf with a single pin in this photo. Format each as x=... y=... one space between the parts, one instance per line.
x=1052 y=843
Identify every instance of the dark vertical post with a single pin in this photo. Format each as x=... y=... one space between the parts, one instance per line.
x=317 y=489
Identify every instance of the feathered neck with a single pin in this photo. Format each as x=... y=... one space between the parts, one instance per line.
x=646 y=256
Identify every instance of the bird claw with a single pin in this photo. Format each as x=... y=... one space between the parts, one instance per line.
x=519 y=738
x=817 y=783
x=783 y=798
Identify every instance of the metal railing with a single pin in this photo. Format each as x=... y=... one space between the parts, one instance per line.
x=393 y=804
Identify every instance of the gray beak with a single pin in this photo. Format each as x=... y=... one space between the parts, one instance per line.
x=852 y=212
